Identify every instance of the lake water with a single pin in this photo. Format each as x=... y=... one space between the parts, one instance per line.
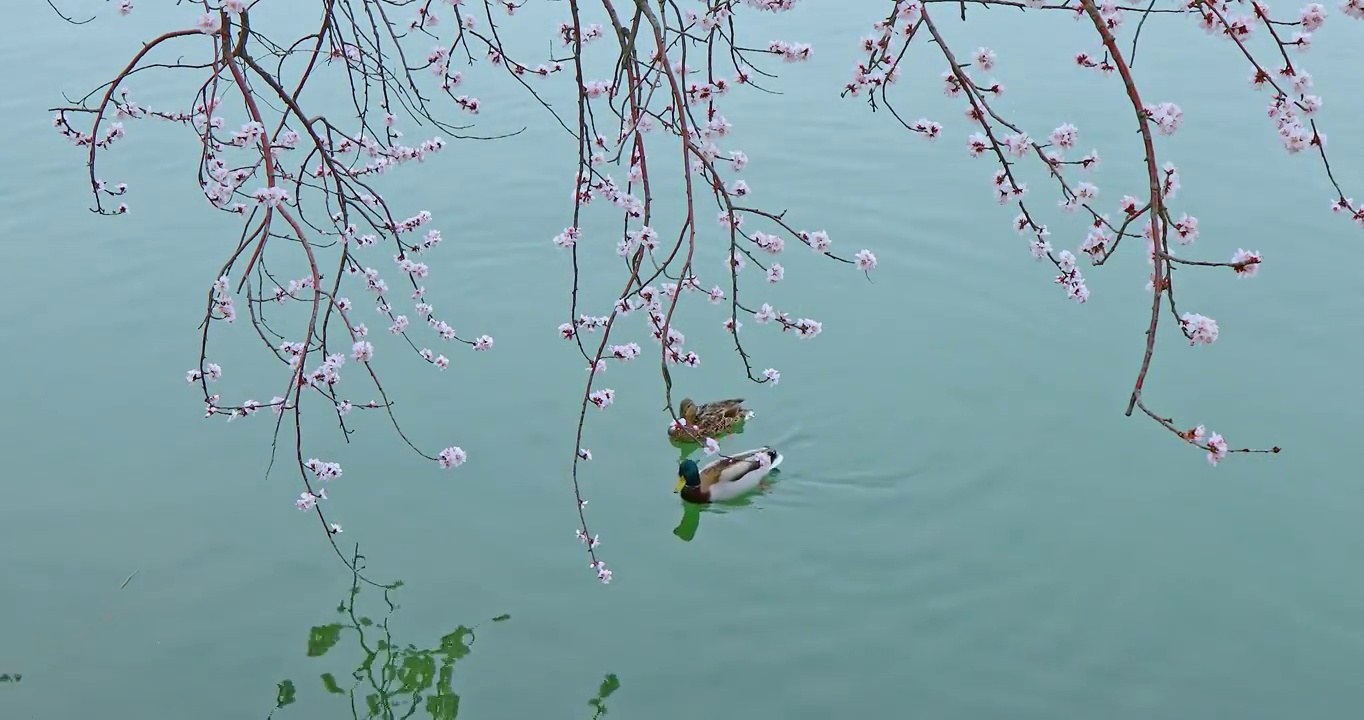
x=966 y=525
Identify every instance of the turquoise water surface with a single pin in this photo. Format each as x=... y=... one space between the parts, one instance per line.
x=965 y=525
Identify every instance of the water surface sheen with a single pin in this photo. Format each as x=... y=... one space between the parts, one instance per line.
x=966 y=526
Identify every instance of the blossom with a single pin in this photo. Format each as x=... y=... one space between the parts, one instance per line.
x=452 y=457
x=985 y=58
x=1313 y=15
x=210 y=23
x=603 y=398
x=807 y=328
x=591 y=542
x=1064 y=136
x=772 y=375
x=1018 y=144
x=819 y=241
x=1251 y=260
x=866 y=261
x=771 y=243
x=1171 y=184
x=1186 y=228
x=568 y=238
x=712 y=447
x=790 y=52
x=272 y=196
x=628 y=351
x=1167 y=116
x=977 y=144
x=1199 y=329
x=1217 y=448
x=927 y=128
x=323 y=470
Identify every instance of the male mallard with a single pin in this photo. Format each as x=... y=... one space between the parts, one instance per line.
x=725 y=478
x=708 y=420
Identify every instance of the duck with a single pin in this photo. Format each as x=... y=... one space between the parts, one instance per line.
x=725 y=478
x=709 y=419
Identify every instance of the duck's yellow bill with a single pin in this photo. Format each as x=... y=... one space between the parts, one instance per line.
x=681 y=482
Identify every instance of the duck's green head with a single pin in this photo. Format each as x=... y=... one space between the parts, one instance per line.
x=688 y=475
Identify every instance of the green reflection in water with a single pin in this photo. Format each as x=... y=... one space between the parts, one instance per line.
x=608 y=685
x=393 y=681
x=691 y=520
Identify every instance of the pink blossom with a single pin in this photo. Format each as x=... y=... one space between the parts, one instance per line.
x=1312 y=16
x=819 y=241
x=985 y=58
x=1064 y=136
x=1217 y=448
x=210 y=23
x=1248 y=262
x=603 y=398
x=1199 y=329
x=1167 y=116
x=452 y=457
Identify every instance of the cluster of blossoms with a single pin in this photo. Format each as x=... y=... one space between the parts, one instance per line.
x=265 y=171
x=676 y=69
x=991 y=134
x=681 y=103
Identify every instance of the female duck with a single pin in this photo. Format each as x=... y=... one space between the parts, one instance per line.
x=725 y=478
x=709 y=419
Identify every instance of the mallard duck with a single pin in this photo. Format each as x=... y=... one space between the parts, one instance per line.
x=708 y=420
x=725 y=478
